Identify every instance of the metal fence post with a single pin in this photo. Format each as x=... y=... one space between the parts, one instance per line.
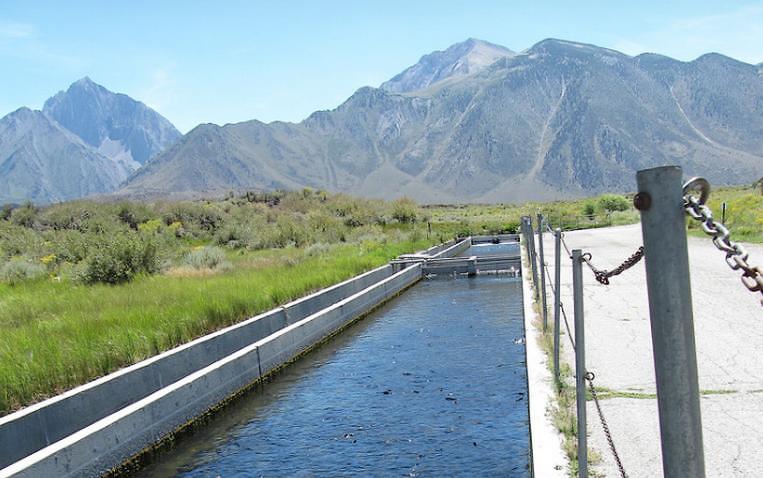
x=557 y=297
x=542 y=259
x=533 y=260
x=526 y=237
x=580 y=371
x=663 y=227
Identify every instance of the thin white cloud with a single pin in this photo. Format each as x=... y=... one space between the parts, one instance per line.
x=737 y=33
x=159 y=92
x=23 y=41
x=17 y=31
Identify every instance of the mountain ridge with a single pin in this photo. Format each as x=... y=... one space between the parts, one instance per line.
x=43 y=162
x=86 y=140
x=559 y=119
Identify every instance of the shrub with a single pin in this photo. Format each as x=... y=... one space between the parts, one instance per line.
x=5 y=212
x=25 y=215
x=18 y=270
x=209 y=257
x=233 y=236
x=589 y=209
x=404 y=210
x=613 y=202
x=120 y=260
x=152 y=226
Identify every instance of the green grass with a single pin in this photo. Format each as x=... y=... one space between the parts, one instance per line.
x=744 y=213
x=483 y=218
x=59 y=335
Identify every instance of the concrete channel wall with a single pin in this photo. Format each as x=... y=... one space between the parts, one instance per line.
x=39 y=425
x=104 y=416
x=108 y=442
x=55 y=423
x=451 y=248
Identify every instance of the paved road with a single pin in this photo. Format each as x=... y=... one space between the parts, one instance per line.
x=728 y=322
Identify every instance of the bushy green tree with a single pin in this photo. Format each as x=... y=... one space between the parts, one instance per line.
x=613 y=202
x=589 y=209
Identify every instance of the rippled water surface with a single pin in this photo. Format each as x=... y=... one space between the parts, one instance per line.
x=431 y=384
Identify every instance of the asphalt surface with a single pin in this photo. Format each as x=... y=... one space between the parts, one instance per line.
x=728 y=321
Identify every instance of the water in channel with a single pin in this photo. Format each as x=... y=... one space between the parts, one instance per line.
x=490 y=249
x=431 y=384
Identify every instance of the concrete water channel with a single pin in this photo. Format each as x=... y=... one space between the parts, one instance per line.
x=431 y=383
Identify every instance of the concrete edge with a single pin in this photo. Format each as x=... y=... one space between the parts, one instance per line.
x=335 y=286
x=128 y=432
x=458 y=247
x=123 y=371
x=548 y=457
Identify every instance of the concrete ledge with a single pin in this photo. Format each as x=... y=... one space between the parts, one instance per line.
x=439 y=248
x=51 y=420
x=548 y=458
x=301 y=308
x=106 y=443
x=455 y=249
x=110 y=440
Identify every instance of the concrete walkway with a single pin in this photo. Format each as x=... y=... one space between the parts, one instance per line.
x=728 y=321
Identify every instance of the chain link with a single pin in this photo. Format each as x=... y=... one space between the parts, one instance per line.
x=736 y=255
x=590 y=376
x=603 y=275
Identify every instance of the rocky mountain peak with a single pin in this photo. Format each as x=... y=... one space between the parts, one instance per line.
x=86 y=140
x=119 y=127
x=462 y=59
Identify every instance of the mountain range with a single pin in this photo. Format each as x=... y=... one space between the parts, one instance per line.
x=480 y=123
x=476 y=122
x=86 y=140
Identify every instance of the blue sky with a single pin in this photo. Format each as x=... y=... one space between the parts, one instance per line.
x=229 y=61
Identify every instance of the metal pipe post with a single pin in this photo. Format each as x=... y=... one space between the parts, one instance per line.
x=542 y=273
x=580 y=371
x=557 y=297
x=533 y=260
x=526 y=236
x=663 y=227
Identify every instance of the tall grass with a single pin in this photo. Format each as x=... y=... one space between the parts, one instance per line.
x=744 y=213
x=60 y=335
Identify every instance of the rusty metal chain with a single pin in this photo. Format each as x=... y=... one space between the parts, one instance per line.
x=736 y=255
x=603 y=275
x=590 y=376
